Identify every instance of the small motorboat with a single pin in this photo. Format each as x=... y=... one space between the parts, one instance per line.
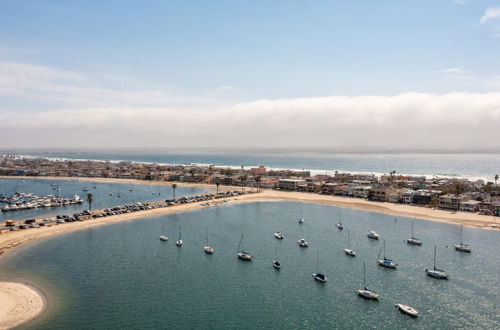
x=279 y=235
x=301 y=220
x=303 y=243
x=208 y=250
x=340 y=226
x=372 y=234
x=407 y=310
x=163 y=238
x=276 y=264
x=350 y=252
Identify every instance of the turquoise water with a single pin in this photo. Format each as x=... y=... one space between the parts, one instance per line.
x=123 y=276
x=102 y=199
x=483 y=166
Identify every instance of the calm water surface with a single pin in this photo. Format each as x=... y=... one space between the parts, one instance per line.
x=123 y=276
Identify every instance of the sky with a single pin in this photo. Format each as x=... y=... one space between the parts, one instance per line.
x=250 y=74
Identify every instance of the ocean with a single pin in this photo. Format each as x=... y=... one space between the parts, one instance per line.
x=468 y=165
x=122 y=276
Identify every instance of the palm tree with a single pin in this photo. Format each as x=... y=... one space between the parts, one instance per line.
x=174 y=186
x=90 y=198
x=257 y=179
x=217 y=183
x=243 y=179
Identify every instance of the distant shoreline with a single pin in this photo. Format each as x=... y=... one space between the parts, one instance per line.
x=12 y=240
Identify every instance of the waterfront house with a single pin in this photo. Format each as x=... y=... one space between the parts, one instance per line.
x=290 y=184
x=470 y=206
x=451 y=201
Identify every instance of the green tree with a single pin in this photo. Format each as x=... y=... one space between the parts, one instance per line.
x=496 y=179
x=90 y=199
x=243 y=179
x=174 y=186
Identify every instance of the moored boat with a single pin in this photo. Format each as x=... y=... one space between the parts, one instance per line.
x=163 y=238
x=386 y=262
x=373 y=235
x=407 y=310
x=303 y=243
x=279 y=235
x=366 y=293
x=434 y=272
x=241 y=252
x=413 y=240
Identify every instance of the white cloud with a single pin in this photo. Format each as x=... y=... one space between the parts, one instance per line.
x=453 y=70
x=491 y=13
x=405 y=120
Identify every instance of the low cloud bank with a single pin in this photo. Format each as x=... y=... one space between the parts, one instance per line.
x=407 y=120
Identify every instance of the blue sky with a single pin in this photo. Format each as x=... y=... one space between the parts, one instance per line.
x=62 y=55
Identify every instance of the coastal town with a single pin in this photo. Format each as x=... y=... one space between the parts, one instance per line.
x=453 y=194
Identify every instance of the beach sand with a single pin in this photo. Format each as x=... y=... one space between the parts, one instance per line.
x=19 y=303
x=24 y=303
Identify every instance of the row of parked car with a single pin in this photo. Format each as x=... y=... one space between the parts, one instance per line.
x=86 y=214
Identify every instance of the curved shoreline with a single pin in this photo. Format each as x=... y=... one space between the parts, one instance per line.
x=12 y=240
x=20 y=303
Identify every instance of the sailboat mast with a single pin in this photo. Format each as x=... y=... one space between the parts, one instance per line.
x=384 y=249
x=348 y=238
x=364 y=274
x=434 y=257
x=412 y=229
x=317 y=263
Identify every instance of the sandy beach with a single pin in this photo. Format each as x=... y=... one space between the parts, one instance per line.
x=19 y=304
x=23 y=303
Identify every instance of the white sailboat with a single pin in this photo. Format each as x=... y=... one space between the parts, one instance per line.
x=163 y=238
x=413 y=240
x=241 y=252
x=319 y=276
x=301 y=219
x=208 y=249
x=386 y=262
x=339 y=225
x=179 y=242
x=373 y=234
x=366 y=293
x=276 y=263
x=434 y=272
x=462 y=247
x=407 y=310
x=349 y=251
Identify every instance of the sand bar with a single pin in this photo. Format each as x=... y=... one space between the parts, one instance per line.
x=19 y=304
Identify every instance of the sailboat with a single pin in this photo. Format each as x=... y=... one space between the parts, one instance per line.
x=413 y=240
x=366 y=293
x=163 y=238
x=303 y=243
x=348 y=251
x=208 y=249
x=179 y=242
x=434 y=272
x=241 y=253
x=301 y=219
x=276 y=263
x=339 y=225
x=319 y=276
x=462 y=247
x=407 y=310
x=373 y=234
x=386 y=262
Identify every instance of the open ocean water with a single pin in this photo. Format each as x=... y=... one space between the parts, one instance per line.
x=474 y=166
x=122 y=276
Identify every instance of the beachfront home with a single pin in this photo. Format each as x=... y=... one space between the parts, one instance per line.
x=359 y=191
x=470 y=206
x=290 y=184
x=486 y=208
x=451 y=201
